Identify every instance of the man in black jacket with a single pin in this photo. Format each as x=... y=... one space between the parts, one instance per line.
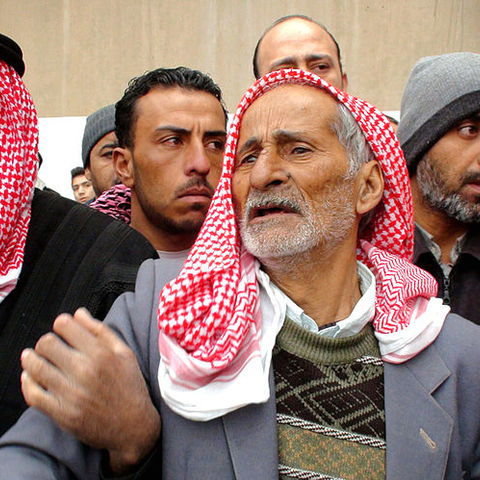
x=55 y=255
x=439 y=132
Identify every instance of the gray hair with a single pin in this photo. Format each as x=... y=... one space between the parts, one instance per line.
x=351 y=137
x=358 y=151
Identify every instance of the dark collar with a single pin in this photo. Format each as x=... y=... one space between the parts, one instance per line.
x=470 y=247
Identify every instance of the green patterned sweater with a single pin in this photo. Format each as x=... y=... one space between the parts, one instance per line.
x=330 y=405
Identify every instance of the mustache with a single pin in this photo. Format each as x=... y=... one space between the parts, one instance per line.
x=283 y=199
x=196 y=182
x=470 y=178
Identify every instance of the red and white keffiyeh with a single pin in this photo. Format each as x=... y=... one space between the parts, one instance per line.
x=18 y=170
x=215 y=347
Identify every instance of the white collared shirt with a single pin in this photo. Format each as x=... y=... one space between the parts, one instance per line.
x=275 y=302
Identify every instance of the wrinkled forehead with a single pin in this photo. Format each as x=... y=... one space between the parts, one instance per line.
x=289 y=107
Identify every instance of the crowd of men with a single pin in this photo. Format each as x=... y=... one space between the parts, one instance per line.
x=296 y=298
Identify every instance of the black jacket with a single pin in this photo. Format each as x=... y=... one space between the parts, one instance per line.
x=461 y=290
x=74 y=256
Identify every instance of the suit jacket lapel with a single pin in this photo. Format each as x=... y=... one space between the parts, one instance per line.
x=251 y=434
x=418 y=428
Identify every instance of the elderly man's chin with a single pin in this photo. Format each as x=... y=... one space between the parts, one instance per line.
x=277 y=238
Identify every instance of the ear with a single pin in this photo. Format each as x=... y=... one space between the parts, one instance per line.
x=345 y=82
x=88 y=175
x=370 y=187
x=123 y=163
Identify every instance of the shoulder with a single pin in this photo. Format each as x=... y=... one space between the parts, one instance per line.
x=154 y=276
x=458 y=343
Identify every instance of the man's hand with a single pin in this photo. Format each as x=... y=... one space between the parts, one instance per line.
x=88 y=381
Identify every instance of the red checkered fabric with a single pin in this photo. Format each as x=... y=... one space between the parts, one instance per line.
x=18 y=170
x=208 y=310
x=116 y=202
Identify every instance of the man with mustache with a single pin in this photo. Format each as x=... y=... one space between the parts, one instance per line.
x=297 y=341
x=439 y=132
x=170 y=125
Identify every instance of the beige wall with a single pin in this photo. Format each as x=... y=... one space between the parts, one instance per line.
x=81 y=53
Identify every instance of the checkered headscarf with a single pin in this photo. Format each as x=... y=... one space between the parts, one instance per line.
x=208 y=316
x=18 y=170
x=116 y=202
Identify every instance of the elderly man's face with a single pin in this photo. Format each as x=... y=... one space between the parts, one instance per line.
x=290 y=187
x=449 y=175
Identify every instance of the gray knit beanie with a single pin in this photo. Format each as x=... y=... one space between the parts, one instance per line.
x=440 y=92
x=98 y=125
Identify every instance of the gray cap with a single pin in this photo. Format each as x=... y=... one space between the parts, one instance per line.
x=440 y=92
x=98 y=125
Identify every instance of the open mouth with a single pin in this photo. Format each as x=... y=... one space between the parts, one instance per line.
x=268 y=210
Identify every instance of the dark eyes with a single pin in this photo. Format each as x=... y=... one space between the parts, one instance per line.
x=320 y=68
x=469 y=131
x=299 y=150
x=107 y=154
x=289 y=152
x=248 y=159
x=216 y=145
x=172 y=141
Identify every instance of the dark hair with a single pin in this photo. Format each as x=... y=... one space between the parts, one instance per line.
x=77 y=171
x=284 y=19
x=183 y=77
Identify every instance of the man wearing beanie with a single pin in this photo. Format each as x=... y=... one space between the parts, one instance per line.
x=439 y=132
x=98 y=142
x=55 y=254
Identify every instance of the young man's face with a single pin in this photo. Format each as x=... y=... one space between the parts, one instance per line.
x=290 y=188
x=298 y=43
x=101 y=170
x=82 y=189
x=176 y=159
x=449 y=174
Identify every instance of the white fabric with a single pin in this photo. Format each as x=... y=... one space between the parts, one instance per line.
x=362 y=313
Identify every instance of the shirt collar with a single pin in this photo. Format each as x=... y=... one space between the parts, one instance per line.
x=363 y=312
x=437 y=253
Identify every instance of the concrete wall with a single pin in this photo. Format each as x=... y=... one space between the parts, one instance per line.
x=80 y=54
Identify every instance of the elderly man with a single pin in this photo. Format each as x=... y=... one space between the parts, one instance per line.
x=306 y=345
x=439 y=132
x=297 y=41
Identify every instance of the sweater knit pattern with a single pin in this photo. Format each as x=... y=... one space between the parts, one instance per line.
x=330 y=405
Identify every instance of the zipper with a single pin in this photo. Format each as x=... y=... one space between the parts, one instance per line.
x=446 y=290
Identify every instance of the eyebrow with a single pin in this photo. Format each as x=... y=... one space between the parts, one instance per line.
x=281 y=136
x=248 y=144
x=309 y=58
x=284 y=136
x=109 y=145
x=184 y=131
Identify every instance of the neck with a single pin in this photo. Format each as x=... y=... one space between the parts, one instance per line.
x=160 y=239
x=444 y=229
x=326 y=288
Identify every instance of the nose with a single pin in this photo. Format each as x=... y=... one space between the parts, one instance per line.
x=268 y=171
x=197 y=161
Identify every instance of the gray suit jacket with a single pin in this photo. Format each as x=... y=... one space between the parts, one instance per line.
x=431 y=404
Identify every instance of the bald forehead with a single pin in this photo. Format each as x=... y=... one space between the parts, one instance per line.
x=284 y=34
